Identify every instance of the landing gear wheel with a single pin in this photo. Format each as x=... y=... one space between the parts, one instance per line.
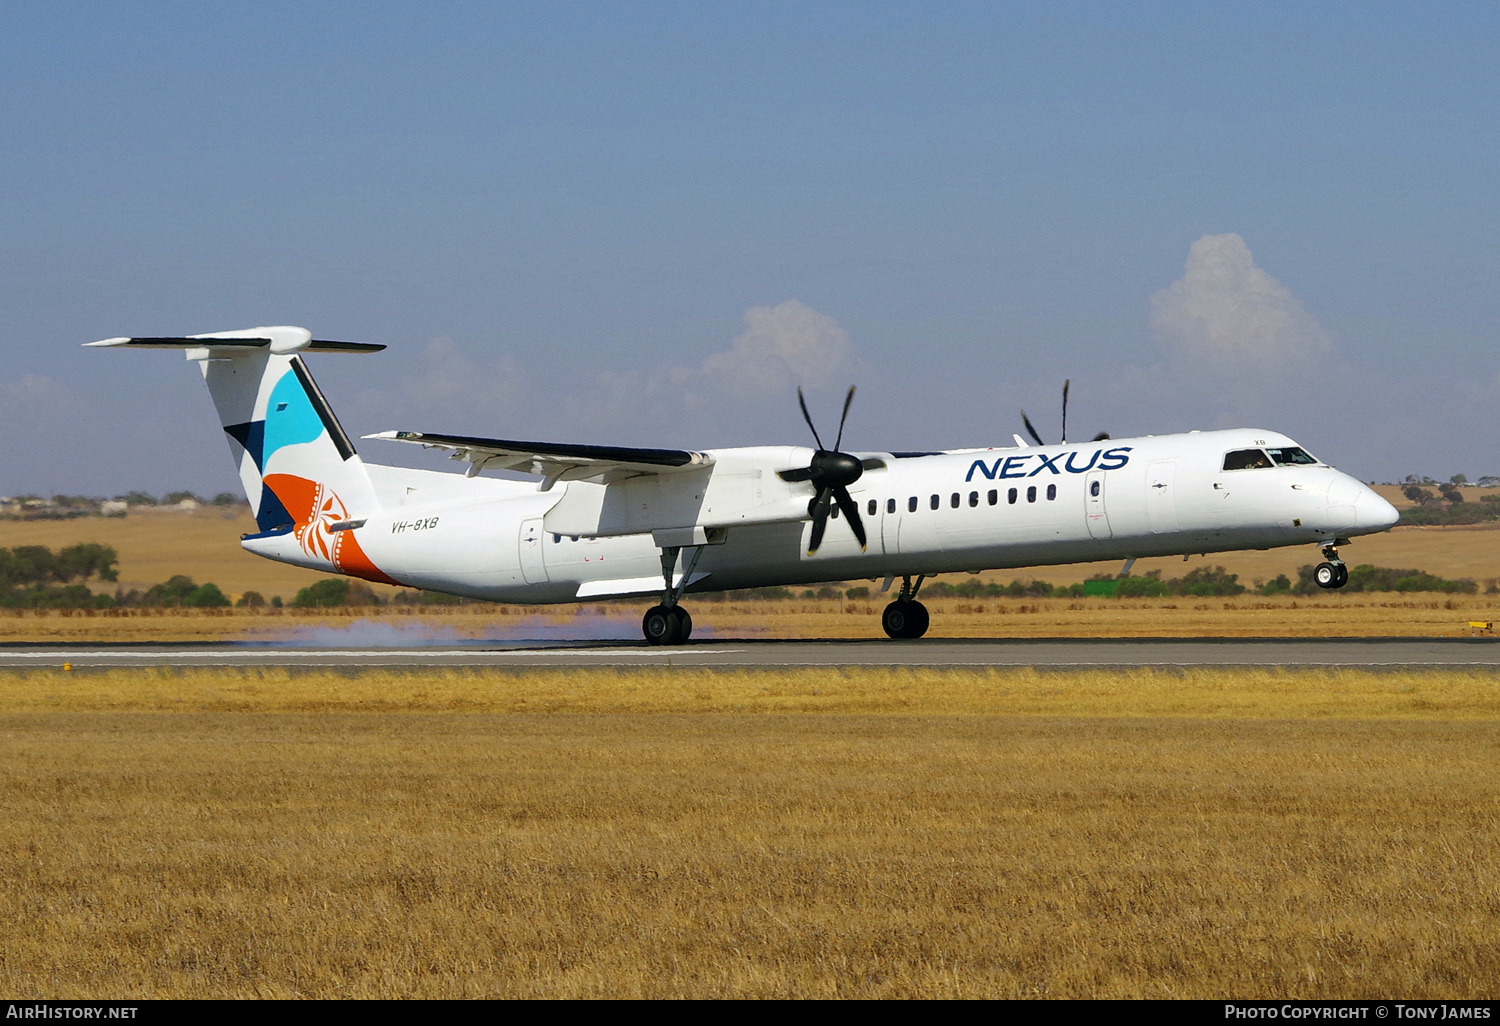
x=684 y=624
x=1331 y=575
x=662 y=626
x=905 y=619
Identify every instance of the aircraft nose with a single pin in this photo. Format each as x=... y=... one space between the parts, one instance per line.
x=1373 y=512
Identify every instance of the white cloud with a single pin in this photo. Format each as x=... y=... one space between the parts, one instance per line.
x=783 y=346
x=1226 y=314
x=754 y=376
x=33 y=388
x=449 y=376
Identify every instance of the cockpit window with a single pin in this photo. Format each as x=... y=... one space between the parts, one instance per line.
x=1246 y=459
x=1293 y=457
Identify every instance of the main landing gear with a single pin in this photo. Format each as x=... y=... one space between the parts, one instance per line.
x=1332 y=573
x=669 y=623
x=906 y=617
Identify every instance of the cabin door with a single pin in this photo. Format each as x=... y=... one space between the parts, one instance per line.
x=1093 y=506
x=532 y=539
x=1161 y=496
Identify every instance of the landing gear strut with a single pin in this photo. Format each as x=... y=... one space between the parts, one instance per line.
x=1333 y=573
x=669 y=623
x=906 y=617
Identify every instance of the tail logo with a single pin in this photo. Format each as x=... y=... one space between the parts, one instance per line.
x=315 y=510
x=316 y=534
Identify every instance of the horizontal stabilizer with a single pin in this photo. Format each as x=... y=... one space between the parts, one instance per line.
x=281 y=340
x=554 y=461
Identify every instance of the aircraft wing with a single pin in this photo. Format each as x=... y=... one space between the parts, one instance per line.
x=556 y=462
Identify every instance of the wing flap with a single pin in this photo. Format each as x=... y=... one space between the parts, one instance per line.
x=555 y=461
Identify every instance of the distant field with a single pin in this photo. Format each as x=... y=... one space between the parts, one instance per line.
x=868 y=833
x=205 y=546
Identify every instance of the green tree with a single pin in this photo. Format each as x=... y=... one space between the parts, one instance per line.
x=174 y=591
x=206 y=596
x=1208 y=581
x=332 y=591
x=1149 y=585
x=32 y=564
x=1278 y=585
x=88 y=559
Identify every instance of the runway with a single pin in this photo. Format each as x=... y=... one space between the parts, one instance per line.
x=759 y=654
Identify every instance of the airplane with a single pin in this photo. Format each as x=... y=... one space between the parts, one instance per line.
x=610 y=522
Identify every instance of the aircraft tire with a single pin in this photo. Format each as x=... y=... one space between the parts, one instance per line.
x=684 y=624
x=919 y=620
x=1330 y=575
x=905 y=619
x=661 y=626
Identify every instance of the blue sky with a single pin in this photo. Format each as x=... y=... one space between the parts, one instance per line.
x=646 y=223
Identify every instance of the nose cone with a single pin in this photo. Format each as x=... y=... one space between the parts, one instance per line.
x=1372 y=513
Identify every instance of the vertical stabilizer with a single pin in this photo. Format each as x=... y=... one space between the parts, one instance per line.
x=298 y=466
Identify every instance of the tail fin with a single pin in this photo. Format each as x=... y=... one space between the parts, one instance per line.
x=299 y=468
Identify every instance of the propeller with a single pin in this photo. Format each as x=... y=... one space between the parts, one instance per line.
x=1030 y=430
x=831 y=473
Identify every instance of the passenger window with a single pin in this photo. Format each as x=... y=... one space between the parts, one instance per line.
x=873 y=507
x=1051 y=492
x=1246 y=459
x=1031 y=494
x=834 y=512
x=1094 y=488
x=973 y=498
x=954 y=501
x=911 y=504
x=890 y=505
x=1011 y=498
x=935 y=502
x=994 y=496
x=556 y=538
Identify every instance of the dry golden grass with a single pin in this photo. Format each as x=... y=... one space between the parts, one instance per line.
x=1376 y=614
x=870 y=833
x=1115 y=692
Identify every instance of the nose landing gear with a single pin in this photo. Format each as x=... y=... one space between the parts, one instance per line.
x=906 y=617
x=1332 y=573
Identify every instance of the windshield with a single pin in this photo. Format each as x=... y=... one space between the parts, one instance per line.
x=1246 y=459
x=1292 y=457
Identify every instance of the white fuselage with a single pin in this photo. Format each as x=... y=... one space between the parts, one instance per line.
x=969 y=510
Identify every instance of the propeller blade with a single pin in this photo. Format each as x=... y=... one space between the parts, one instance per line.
x=850 y=509
x=1031 y=430
x=819 y=510
x=847 y=400
x=808 y=417
x=1066 y=383
x=796 y=474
